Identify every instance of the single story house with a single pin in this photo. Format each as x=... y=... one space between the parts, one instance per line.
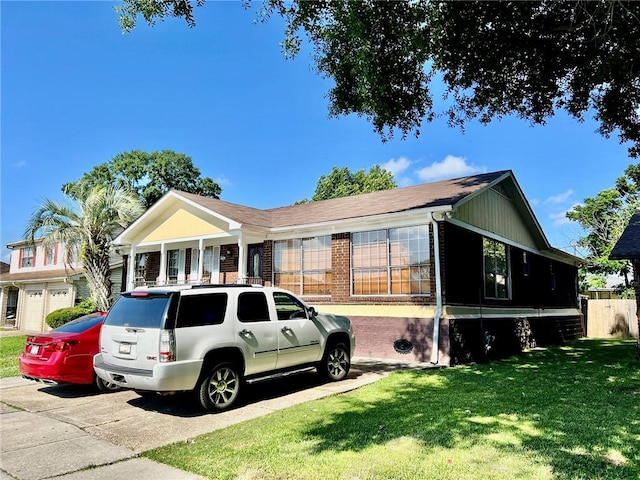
x=449 y=272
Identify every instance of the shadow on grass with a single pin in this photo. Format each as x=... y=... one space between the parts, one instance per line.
x=575 y=407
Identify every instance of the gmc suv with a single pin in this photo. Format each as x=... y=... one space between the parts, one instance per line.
x=212 y=338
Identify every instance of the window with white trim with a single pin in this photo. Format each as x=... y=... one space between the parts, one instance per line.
x=303 y=265
x=27 y=257
x=496 y=269
x=173 y=257
x=50 y=255
x=391 y=262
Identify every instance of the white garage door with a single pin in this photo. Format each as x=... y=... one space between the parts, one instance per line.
x=34 y=310
x=59 y=297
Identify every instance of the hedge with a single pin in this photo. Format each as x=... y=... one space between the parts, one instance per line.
x=59 y=317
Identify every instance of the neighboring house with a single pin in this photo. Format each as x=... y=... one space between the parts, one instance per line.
x=40 y=281
x=462 y=264
x=628 y=248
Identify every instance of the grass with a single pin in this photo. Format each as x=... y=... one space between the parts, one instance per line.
x=569 y=412
x=10 y=348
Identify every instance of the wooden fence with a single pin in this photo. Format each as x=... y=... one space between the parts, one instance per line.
x=612 y=318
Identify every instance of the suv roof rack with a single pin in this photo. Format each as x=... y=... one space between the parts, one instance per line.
x=223 y=285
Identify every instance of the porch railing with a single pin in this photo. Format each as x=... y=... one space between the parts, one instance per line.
x=141 y=282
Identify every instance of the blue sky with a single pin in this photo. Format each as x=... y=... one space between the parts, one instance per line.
x=76 y=91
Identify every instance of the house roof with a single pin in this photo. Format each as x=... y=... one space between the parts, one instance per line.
x=628 y=246
x=427 y=195
x=40 y=275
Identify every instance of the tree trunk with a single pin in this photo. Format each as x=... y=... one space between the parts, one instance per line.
x=98 y=276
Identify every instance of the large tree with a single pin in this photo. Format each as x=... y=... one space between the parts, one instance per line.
x=342 y=182
x=494 y=58
x=149 y=175
x=603 y=219
x=88 y=227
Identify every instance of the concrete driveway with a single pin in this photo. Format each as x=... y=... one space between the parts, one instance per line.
x=47 y=431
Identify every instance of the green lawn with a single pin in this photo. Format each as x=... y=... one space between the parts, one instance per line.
x=10 y=348
x=560 y=413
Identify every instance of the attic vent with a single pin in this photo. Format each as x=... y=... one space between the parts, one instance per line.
x=499 y=188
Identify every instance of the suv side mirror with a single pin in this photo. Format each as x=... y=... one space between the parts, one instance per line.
x=312 y=312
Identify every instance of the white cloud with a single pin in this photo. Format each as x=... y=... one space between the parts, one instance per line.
x=397 y=166
x=560 y=198
x=560 y=218
x=534 y=201
x=223 y=181
x=450 y=167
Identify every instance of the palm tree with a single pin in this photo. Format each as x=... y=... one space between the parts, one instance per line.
x=88 y=228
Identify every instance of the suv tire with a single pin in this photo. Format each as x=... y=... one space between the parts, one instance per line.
x=220 y=388
x=335 y=363
x=104 y=386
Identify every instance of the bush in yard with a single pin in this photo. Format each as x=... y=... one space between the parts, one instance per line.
x=59 y=317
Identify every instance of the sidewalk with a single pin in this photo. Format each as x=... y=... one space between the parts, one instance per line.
x=68 y=434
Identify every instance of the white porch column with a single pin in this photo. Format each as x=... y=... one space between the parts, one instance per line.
x=131 y=270
x=200 y=259
x=162 y=278
x=242 y=259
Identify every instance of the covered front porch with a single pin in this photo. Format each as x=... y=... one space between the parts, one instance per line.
x=195 y=262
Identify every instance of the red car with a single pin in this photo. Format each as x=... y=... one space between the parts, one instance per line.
x=65 y=354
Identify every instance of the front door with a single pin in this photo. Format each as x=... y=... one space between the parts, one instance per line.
x=254 y=260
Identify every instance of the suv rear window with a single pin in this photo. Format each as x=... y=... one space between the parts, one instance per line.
x=197 y=310
x=138 y=311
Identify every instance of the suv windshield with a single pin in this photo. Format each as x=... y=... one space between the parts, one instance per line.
x=138 y=311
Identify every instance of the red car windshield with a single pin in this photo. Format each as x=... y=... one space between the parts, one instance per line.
x=81 y=324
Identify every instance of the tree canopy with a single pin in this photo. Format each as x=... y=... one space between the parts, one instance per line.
x=527 y=59
x=342 y=182
x=604 y=217
x=88 y=227
x=149 y=175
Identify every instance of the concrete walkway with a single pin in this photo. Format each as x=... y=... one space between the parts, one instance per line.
x=72 y=433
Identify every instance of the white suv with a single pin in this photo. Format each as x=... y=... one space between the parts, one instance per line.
x=212 y=338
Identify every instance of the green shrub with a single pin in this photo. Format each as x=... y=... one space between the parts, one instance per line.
x=59 y=317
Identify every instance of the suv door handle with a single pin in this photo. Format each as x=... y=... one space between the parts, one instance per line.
x=285 y=329
x=245 y=333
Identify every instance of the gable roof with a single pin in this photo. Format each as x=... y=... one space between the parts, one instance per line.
x=628 y=246
x=427 y=195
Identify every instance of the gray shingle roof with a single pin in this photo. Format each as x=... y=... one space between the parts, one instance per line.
x=628 y=246
x=443 y=193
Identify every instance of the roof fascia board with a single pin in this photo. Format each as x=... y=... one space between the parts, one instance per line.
x=551 y=253
x=387 y=220
x=233 y=224
x=478 y=192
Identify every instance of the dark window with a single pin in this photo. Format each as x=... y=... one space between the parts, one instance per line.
x=197 y=310
x=252 y=307
x=288 y=306
x=526 y=266
x=496 y=269
x=138 y=311
x=81 y=324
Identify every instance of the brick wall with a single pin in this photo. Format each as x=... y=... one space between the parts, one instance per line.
x=377 y=337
